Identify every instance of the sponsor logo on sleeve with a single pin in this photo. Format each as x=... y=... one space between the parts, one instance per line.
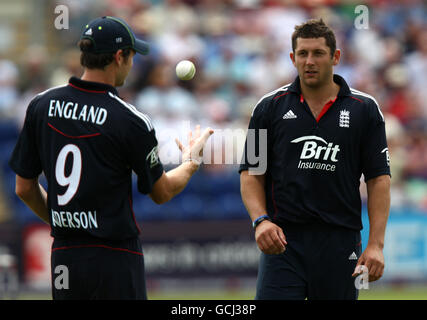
x=153 y=157
x=387 y=155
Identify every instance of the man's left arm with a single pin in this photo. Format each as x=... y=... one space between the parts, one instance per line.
x=378 y=210
x=33 y=195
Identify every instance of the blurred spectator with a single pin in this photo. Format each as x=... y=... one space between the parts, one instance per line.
x=34 y=73
x=369 y=47
x=416 y=164
x=163 y=98
x=241 y=50
x=8 y=87
x=416 y=63
x=216 y=109
x=169 y=105
x=396 y=140
x=415 y=168
x=174 y=27
x=271 y=70
x=279 y=22
x=69 y=66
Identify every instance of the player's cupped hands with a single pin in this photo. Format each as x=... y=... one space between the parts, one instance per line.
x=194 y=149
x=270 y=238
x=373 y=259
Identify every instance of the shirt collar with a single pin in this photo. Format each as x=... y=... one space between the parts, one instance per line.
x=89 y=86
x=344 y=88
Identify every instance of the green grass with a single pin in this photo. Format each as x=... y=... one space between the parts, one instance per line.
x=373 y=294
x=404 y=293
x=394 y=294
x=203 y=295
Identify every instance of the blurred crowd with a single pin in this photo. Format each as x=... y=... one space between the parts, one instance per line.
x=241 y=52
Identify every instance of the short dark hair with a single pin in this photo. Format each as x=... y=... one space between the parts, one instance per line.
x=314 y=28
x=96 y=60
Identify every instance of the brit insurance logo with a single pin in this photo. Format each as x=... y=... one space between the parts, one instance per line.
x=317 y=153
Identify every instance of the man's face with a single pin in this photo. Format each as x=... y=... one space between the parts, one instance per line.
x=313 y=60
x=124 y=68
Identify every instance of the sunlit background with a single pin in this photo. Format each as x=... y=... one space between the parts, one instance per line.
x=200 y=245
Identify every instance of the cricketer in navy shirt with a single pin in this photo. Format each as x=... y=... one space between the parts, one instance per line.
x=314 y=166
x=88 y=141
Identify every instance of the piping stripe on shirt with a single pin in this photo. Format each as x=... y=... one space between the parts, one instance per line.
x=139 y=114
x=284 y=88
x=354 y=91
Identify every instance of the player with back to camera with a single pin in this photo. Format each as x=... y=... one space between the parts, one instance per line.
x=87 y=141
x=306 y=206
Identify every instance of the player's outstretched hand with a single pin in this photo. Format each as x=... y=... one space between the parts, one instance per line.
x=373 y=259
x=270 y=238
x=194 y=150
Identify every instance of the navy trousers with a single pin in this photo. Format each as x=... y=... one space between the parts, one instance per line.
x=100 y=270
x=317 y=265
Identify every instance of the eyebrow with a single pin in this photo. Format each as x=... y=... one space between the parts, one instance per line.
x=316 y=49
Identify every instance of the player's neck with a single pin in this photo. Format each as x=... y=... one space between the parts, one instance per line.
x=322 y=93
x=100 y=76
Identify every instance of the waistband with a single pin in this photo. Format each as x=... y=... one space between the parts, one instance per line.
x=131 y=245
x=311 y=226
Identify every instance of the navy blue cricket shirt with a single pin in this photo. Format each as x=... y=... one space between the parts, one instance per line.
x=87 y=141
x=314 y=166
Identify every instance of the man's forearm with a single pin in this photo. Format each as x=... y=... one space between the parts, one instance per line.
x=179 y=177
x=253 y=194
x=34 y=196
x=378 y=209
x=268 y=236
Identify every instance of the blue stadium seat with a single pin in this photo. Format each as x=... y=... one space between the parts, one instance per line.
x=233 y=206
x=145 y=209
x=9 y=183
x=190 y=206
x=8 y=131
x=6 y=147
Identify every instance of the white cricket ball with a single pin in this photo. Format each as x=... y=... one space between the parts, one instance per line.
x=185 y=70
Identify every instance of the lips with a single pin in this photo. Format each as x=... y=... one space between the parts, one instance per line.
x=310 y=73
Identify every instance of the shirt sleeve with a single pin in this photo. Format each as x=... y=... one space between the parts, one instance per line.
x=142 y=152
x=375 y=154
x=255 y=150
x=25 y=160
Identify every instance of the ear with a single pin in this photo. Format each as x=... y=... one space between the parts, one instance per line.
x=336 y=57
x=292 y=56
x=118 y=57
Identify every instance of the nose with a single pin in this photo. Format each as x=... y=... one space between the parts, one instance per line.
x=310 y=59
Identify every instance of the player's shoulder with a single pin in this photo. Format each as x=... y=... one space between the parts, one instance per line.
x=46 y=94
x=370 y=103
x=53 y=91
x=128 y=112
x=266 y=100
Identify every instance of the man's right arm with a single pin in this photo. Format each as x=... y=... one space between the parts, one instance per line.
x=174 y=181
x=269 y=236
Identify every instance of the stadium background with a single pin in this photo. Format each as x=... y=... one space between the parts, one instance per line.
x=200 y=245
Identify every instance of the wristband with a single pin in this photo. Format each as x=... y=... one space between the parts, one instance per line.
x=260 y=219
x=192 y=160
